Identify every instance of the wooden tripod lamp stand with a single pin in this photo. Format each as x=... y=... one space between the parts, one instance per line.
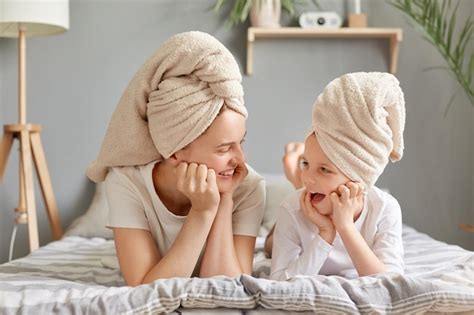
x=19 y=18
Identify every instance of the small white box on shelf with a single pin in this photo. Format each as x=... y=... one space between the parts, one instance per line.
x=320 y=20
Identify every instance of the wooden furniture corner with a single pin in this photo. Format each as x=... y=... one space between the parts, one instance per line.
x=467 y=227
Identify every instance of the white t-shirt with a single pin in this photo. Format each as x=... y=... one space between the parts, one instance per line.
x=299 y=250
x=134 y=203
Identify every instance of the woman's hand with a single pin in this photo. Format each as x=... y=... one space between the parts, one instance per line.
x=324 y=223
x=240 y=173
x=198 y=183
x=346 y=204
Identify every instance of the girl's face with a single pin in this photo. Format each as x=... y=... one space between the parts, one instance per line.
x=219 y=147
x=319 y=175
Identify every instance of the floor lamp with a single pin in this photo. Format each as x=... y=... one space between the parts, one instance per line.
x=20 y=18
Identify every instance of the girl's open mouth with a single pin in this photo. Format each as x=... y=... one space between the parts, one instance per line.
x=316 y=198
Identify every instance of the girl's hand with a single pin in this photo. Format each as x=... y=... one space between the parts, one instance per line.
x=346 y=204
x=324 y=223
x=198 y=183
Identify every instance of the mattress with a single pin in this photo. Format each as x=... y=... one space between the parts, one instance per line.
x=73 y=275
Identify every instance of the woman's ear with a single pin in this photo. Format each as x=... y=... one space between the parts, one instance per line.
x=173 y=160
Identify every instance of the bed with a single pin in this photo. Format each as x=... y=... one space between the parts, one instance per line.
x=79 y=274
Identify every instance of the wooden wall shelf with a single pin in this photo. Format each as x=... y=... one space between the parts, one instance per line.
x=394 y=35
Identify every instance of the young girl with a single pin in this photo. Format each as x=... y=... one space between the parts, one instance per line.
x=182 y=200
x=339 y=223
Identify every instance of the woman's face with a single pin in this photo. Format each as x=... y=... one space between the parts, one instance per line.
x=219 y=147
x=319 y=175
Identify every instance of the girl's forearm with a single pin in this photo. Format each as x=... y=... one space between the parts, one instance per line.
x=363 y=258
x=220 y=257
x=182 y=256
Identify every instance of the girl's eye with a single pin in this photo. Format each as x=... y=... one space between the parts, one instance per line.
x=325 y=170
x=242 y=141
x=303 y=164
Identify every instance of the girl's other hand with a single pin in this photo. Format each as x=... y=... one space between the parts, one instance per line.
x=347 y=204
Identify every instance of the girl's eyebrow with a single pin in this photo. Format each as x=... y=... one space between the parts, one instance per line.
x=320 y=164
x=230 y=143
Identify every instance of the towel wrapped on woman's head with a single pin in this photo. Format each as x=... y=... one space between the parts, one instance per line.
x=172 y=99
x=359 y=120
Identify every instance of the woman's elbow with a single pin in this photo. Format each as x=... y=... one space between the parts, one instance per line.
x=136 y=280
x=133 y=283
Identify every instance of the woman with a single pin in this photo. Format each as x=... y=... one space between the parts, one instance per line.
x=182 y=200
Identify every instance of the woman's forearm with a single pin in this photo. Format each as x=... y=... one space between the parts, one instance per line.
x=181 y=258
x=220 y=257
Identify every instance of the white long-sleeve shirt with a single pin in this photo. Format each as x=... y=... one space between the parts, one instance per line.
x=299 y=250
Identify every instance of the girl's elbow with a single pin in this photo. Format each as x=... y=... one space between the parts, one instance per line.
x=373 y=272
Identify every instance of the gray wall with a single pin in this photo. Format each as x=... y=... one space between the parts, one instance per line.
x=75 y=80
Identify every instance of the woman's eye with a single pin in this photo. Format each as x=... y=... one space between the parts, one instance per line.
x=242 y=141
x=223 y=151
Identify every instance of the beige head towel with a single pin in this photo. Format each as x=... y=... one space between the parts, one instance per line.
x=358 y=120
x=171 y=100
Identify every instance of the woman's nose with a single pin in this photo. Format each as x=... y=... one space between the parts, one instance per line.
x=239 y=154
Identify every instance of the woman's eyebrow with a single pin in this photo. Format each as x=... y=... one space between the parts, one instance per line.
x=229 y=143
x=225 y=144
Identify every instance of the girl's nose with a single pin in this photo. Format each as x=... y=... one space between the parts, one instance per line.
x=308 y=180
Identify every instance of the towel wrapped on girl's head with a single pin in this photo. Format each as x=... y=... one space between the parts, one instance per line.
x=359 y=120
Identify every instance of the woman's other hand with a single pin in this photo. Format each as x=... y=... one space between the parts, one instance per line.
x=198 y=183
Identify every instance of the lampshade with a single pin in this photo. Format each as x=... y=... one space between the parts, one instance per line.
x=36 y=17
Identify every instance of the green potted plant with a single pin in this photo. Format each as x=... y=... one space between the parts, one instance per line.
x=263 y=13
x=437 y=20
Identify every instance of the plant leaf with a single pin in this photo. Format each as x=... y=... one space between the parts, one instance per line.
x=438 y=22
